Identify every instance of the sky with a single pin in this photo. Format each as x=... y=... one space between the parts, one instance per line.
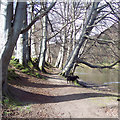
x=55 y=0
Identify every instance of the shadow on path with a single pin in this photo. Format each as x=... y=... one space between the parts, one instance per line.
x=31 y=98
x=23 y=81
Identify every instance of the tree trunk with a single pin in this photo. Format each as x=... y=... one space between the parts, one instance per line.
x=22 y=44
x=69 y=48
x=43 y=45
x=48 y=56
x=9 y=35
x=6 y=18
x=119 y=49
x=73 y=25
x=58 y=58
x=65 y=13
x=69 y=44
x=86 y=31
x=0 y=89
x=62 y=50
x=47 y=52
x=33 y=43
x=20 y=49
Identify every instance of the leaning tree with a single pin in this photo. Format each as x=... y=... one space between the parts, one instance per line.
x=11 y=27
x=92 y=19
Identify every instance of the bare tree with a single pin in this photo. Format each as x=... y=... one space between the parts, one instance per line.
x=10 y=31
x=85 y=32
x=97 y=17
x=22 y=44
x=10 y=34
x=43 y=46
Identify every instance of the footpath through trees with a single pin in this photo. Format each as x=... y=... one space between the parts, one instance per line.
x=54 y=98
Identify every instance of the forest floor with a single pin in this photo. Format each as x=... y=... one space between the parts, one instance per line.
x=54 y=98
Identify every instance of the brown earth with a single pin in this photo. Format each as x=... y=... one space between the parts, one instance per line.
x=54 y=98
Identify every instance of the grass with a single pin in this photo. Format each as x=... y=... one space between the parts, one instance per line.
x=13 y=62
x=11 y=106
x=11 y=74
x=19 y=66
x=30 y=65
x=37 y=75
x=48 y=65
x=35 y=59
x=10 y=103
x=75 y=83
x=27 y=70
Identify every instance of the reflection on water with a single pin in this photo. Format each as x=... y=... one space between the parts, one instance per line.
x=111 y=83
x=104 y=76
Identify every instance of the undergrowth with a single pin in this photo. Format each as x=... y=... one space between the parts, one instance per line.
x=11 y=107
x=11 y=74
x=30 y=70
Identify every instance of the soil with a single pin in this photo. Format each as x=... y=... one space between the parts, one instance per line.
x=54 y=98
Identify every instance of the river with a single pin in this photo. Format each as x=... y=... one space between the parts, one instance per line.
x=100 y=77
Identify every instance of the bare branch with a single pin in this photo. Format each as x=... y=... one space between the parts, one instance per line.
x=102 y=41
x=38 y=17
x=115 y=14
x=61 y=29
x=50 y=24
x=101 y=18
x=78 y=60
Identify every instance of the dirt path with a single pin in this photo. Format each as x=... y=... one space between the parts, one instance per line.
x=54 y=98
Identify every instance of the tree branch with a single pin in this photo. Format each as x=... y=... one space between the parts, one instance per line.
x=50 y=24
x=61 y=29
x=115 y=14
x=101 y=41
x=38 y=17
x=78 y=60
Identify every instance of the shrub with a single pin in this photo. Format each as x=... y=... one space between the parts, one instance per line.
x=26 y=70
x=19 y=66
x=35 y=60
x=29 y=73
x=30 y=64
x=38 y=75
x=13 y=62
x=13 y=57
x=11 y=74
x=11 y=70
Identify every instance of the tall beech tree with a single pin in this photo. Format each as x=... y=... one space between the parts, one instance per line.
x=95 y=16
x=22 y=43
x=9 y=34
x=11 y=28
x=43 y=46
x=85 y=32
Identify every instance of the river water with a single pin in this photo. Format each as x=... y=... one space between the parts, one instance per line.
x=100 y=77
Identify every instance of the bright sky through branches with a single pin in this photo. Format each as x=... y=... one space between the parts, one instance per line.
x=58 y=0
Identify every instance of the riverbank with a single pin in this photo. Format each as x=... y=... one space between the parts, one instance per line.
x=54 y=98
x=103 y=77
